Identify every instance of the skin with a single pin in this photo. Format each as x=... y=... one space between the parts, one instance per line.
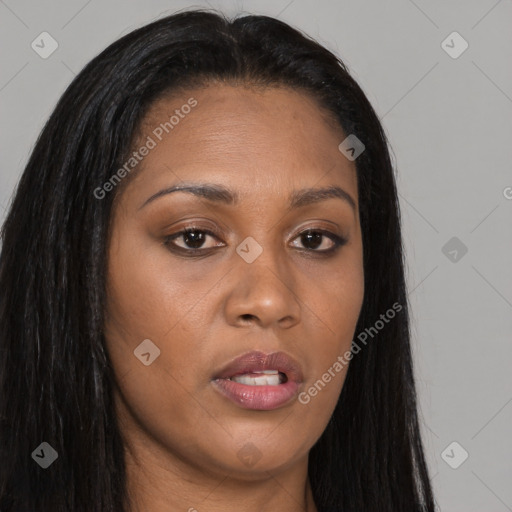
x=182 y=437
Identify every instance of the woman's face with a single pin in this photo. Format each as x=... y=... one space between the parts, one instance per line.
x=182 y=307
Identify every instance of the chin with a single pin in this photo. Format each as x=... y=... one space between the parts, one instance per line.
x=253 y=459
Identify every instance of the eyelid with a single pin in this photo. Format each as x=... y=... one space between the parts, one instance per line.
x=213 y=231
x=317 y=225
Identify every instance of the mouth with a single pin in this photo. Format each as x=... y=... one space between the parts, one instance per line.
x=260 y=382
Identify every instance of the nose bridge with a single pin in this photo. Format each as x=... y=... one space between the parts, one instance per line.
x=261 y=254
x=264 y=284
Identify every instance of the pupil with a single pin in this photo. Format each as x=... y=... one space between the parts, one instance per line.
x=312 y=237
x=194 y=237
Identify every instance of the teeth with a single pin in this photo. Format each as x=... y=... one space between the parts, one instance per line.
x=273 y=380
x=270 y=378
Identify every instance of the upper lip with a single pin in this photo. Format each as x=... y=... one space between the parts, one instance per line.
x=258 y=361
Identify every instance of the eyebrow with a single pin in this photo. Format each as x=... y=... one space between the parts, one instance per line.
x=220 y=194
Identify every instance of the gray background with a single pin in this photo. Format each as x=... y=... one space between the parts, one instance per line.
x=449 y=123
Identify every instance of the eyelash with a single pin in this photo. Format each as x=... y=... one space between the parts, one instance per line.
x=168 y=241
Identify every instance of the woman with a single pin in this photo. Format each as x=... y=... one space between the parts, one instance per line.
x=203 y=303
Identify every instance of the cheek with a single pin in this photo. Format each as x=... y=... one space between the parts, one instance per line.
x=335 y=303
x=150 y=300
x=145 y=292
x=151 y=297
x=139 y=299
x=336 y=297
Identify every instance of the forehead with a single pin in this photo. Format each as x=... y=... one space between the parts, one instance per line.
x=246 y=137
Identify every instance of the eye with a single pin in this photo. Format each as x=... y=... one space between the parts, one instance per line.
x=193 y=239
x=312 y=239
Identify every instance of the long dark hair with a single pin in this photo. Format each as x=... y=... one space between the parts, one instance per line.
x=56 y=378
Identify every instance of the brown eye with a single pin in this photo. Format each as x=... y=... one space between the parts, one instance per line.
x=192 y=238
x=312 y=239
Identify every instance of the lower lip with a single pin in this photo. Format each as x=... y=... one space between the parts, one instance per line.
x=260 y=398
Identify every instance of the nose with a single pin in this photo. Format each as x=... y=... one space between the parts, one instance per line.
x=264 y=293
